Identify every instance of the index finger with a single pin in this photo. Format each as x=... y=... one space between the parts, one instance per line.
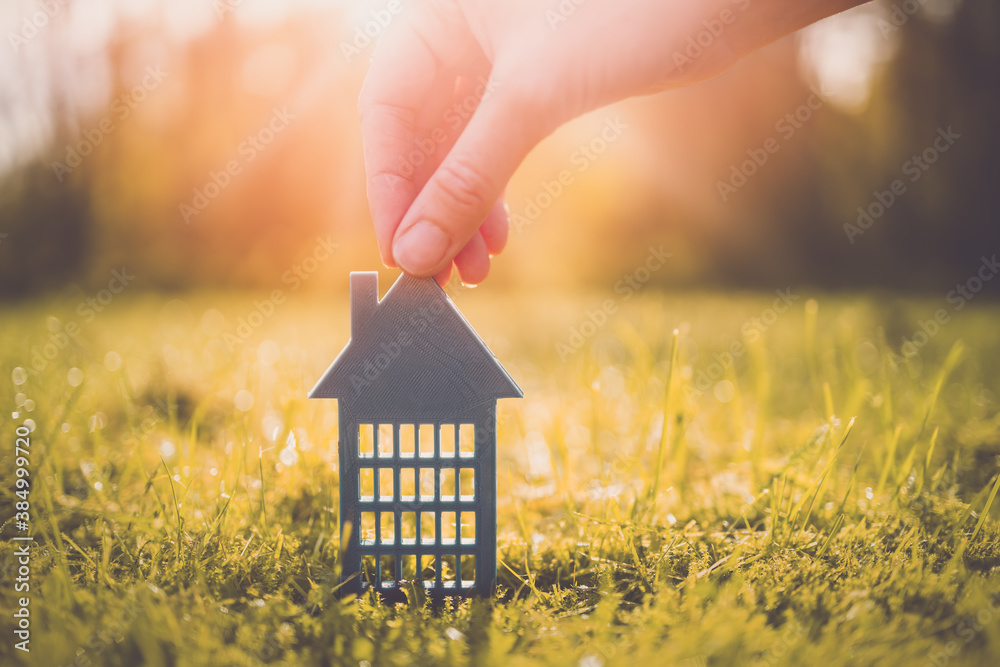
x=402 y=73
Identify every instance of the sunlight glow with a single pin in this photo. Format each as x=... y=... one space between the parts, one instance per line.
x=842 y=54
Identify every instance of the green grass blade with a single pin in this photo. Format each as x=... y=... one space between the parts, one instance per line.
x=986 y=509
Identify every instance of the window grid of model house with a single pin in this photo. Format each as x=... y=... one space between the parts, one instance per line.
x=418 y=487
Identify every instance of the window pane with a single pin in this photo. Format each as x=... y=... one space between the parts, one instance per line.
x=409 y=567
x=468 y=571
x=426 y=440
x=448 y=566
x=366 y=484
x=388 y=570
x=447 y=440
x=406 y=441
x=407 y=484
x=366 y=441
x=466 y=440
x=368 y=569
x=426 y=484
x=468 y=531
x=408 y=527
x=385 y=440
x=448 y=528
x=368 y=528
x=428 y=571
x=447 y=484
x=467 y=484
x=427 y=530
x=385 y=484
x=388 y=528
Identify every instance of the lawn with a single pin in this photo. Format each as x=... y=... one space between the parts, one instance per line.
x=823 y=492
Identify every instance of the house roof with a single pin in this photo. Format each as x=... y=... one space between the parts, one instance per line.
x=412 y=353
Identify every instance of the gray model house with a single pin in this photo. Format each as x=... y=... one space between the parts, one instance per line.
x=416 y=392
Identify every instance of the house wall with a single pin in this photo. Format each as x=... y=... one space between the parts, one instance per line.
x=483 y=463
x=349 y=508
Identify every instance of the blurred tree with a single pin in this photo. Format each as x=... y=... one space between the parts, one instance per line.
x=946 y=75
x=48 y=227
x=656 y=185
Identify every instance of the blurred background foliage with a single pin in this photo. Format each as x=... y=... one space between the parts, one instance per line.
x=890 y=80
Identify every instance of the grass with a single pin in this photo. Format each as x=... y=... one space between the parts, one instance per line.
x=824 y=499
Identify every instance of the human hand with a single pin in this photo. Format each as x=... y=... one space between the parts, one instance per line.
x=459 y=91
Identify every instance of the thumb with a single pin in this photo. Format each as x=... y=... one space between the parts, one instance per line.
x=460 y=193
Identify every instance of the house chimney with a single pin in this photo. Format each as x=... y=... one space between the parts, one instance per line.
x=364 y=299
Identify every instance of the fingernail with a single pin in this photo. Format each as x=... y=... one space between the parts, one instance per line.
x=421 y=248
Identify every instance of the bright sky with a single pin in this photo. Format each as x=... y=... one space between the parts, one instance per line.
x=61 y=57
